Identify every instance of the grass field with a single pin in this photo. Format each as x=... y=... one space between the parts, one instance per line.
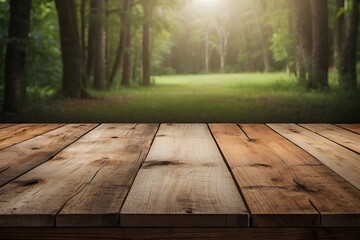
x=243 y=98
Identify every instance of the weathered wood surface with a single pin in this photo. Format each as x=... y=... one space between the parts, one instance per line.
x=21 y=132
x=338 y=135
x=184 y=182
x=336 y=200
x=85 y=184
x=22 y=157
x=112 y=159
x=180 y=233
x=280 y=175
x=283 y=185
x=4 y=125
x=351 y=127
x=343 y=161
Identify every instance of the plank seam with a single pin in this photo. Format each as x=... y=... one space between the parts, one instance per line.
x=137 y=172
x=10 y=125
x=232 y=176
x=61 y=125
x=328 y=138
x=306 y=192
x=338 y=125
x=51 y=156
x=310 y=154
x=307 y=152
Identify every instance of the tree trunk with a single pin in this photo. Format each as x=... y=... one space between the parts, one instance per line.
x=207 y=52
x=120 y=49
x=222 y=38
x=265 y=34
x=70 y=49
x=100 y=45
x=91 y=41
x=83 y=38
x=303 y=28
x=348 y=75
x=15 y=60
x=126 y=74
x=148 y=7
x=339 y=31
x=300 y=68
x=320 y=52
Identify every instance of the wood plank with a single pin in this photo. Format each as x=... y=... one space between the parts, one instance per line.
x=85 y=183
x=5 y=125
x=118 y=152
x=351 y=127
x=20 y=158
x=184 y=182
x=336 y=134
x=266 y=182
x=344 y=162
x=21 y=132
x=337 y=201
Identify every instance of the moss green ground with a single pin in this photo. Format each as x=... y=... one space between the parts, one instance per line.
x=243 y=98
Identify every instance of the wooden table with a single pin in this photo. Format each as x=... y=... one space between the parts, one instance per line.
x=147 y=181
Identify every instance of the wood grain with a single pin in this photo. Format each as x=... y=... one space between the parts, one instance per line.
x=184 y=182
x=266 y=182
x=336 y=134
x=114 y=154
x=85 y=183
x=344 y=162
x=337 y=201
x=20 y=158
x=351 y=127
x=4 y=125
x=21 y=132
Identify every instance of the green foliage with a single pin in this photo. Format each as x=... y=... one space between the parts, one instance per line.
x=44 y=54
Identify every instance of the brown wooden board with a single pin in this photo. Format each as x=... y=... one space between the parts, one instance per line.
x=343 y=161
x=336 y=134
x=21 y=132
x=184 y=182
x=283 y=185
x=20 y=158
x=4 y=125
x=85 y=183
x=351 y=127
x=114 y=156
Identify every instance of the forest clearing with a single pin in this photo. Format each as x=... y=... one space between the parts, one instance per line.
x=179 y=61
x=247 y=97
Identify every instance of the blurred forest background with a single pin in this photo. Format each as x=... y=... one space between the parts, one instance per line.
x=179 y=61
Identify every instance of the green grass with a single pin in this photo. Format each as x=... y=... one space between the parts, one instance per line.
x=243 y=98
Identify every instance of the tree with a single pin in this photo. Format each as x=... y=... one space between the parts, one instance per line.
x=70 y=49
x=348 y=75
x=15 y=60
x=83 y=37
x=91 y=41
x=339 y=31
x=221 y=46
x=302 y=20
x=126 y=74
x=148 y=7
x=124 y=14
x=320 y=49
x=265 y=33
x=99 y=46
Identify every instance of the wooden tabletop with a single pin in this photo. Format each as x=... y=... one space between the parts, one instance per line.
x=180 y=175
